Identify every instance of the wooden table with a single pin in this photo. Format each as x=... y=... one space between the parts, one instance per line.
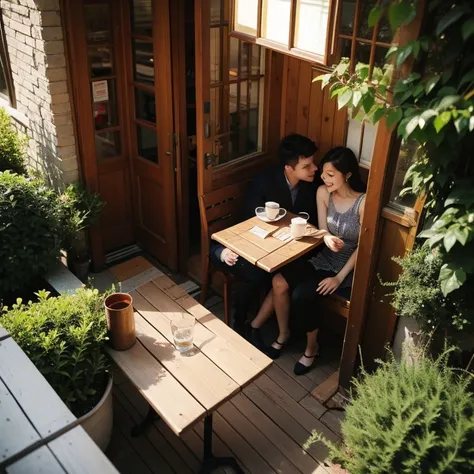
x=186 y=388
x=38 y=433
x=270 y=253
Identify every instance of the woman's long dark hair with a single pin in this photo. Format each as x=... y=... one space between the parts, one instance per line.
x=345 y=161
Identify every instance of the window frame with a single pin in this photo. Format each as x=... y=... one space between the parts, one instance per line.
x=291 y=50
x=6 y=65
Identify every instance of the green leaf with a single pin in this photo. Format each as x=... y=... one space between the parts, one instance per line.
x=378 y=114
x=467 y=29
x=394 y=117
x=442 y=120
x=403 y=53
x=401 y=14
x=375 y=15
x=362 y=70
x=356 y=98
x=425 y=116
x=462 y=235
x=451 y=17
x=449 y=240
x=448 y=101
x=471 y=124
x=342 y=67
x=431 y=83
x=411 y=125
x=467 y=78
x=451 y=278
x=393 y=49
x=368 y=102
x=344 y=99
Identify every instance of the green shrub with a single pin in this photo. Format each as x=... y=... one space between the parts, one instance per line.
x=418 y=293
x=404 y=418
x=31 y=230
x=65 y=338
x=12 y=147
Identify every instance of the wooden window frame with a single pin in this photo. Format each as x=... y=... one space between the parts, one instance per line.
x=5 y=61
x=291 y=50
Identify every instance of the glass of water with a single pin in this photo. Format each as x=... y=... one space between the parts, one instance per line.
x=183 y=332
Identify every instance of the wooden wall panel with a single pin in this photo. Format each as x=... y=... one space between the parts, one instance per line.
x=308 y=110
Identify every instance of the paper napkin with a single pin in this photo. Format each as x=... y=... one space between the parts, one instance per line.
x=259 y=232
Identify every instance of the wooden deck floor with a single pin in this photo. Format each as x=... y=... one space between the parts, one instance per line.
x=265 y=427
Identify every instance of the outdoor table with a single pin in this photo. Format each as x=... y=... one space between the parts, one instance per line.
x=269 y=253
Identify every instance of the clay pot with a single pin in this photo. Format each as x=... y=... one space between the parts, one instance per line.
x=120 y=321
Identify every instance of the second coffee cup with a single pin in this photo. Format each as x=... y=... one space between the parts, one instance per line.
x=272 y=209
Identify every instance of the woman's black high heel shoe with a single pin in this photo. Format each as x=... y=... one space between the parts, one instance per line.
x=301 y=369
x=273 y=352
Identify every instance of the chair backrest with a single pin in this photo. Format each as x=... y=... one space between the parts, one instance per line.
x=219 y=210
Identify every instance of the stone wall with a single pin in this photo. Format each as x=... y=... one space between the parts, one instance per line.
x=37 y=54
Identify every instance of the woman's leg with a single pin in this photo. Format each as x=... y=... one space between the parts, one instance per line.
x=265 y=311
x=281 y=302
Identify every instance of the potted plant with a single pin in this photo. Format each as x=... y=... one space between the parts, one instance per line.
x=81 y=209
x=65 y=337
x=408 y=418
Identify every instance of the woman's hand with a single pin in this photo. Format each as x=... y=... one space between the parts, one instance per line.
x=333 y=243
x=229 y=257
x=328 y=286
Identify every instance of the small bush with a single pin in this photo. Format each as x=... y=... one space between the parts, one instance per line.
x=418 y=294
x=409 y=419
x=12 y=147
x=65 y=338
x=31 y=230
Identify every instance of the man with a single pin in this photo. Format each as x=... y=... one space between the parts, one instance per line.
x=291 y=184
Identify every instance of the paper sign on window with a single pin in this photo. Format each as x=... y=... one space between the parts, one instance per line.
x=100 y=91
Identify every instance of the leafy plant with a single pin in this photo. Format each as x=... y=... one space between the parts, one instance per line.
x=417 y=293
x=31 y=230
x=408 y=418
x=434 y=106
x=12 y=146
x=81 y=208
x=65 y=338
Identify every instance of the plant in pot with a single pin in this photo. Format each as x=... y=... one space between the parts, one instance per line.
x=408 y=418
x=65 y=337
x=81 y=209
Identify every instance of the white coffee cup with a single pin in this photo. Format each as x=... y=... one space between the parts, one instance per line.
x=272 y=209
x=298 y=227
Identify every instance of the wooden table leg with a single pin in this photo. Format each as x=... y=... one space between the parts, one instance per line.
x=150 y=417
x=211 y=462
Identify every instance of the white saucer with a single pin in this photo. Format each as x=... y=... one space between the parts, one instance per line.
x=264 y=218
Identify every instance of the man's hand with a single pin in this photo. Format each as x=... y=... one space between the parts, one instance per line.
x=328 y=286
x=229 y=257
x=333 y=243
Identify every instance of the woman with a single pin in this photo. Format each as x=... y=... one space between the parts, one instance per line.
x=340 y=202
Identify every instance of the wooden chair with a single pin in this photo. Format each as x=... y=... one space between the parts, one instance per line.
x=337 y=304
x=219 y=210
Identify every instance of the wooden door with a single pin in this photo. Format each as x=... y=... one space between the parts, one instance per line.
x=121 y=71
x=99 y=89
x=148 y=55
x=232 y=89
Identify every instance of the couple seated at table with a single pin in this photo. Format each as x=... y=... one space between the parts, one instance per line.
x=337 y=208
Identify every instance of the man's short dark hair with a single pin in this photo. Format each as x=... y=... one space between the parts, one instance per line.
x=293 y=146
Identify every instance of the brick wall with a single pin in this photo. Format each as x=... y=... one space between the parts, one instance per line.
x=36 y=49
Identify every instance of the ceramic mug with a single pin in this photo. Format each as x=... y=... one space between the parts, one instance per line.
x=298 y=225
x=272 y=209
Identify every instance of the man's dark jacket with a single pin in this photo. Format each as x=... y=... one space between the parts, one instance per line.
x=271 y=185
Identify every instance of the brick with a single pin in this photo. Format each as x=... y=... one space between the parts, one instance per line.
x=56 y=74
x=66 y=151
x=52 y=33
x=64 y=119
x=59 y=98
x=70 y=176
x=53 y=47
x=30 y=42
x=61 y=108
x=21 y=10
x=50 y=18
x=56 y=60
x=58 y=88
x=20 y=27
x=43 y=5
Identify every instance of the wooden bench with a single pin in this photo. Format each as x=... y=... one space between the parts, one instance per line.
x=183 y=389
x=38 y=433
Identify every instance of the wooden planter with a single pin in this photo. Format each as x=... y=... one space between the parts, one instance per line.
x=98 y=422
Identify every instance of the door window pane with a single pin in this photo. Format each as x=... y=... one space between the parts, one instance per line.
x=406 y=158
x=311 y=25
x=97 y=23
x=246 y=16
x=3 y=82
x=144 y=68
x=257 y=59
x=145 y=106
x=216 y=11
x=142 y=17
x=147 y=143
x=276 y=20
x=107 y=145
x=215 y=55
x=234 y=59
x=104 y=104
x=347 y=17
x=100 y=61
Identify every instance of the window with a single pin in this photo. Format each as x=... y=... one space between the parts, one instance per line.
x=237 y=78
x=6 y=81
x=355 y=40
x=299 y=27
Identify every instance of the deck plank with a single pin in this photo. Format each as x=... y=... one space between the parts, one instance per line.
x=282 y=379
x=40 y=461
x=266 y=421
x=287 y=364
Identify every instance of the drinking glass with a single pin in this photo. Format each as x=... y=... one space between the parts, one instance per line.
x=182 y=329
